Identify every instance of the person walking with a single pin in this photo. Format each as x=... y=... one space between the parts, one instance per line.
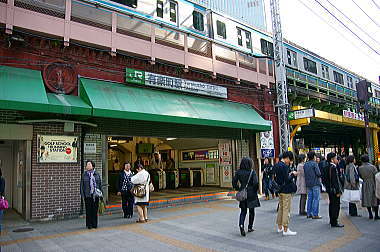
x=267 y=178
x=246 y=175
x=284 y=178
x=301 y=186
x=142 y=178
x=91 y=191
x=313 y=186
x=367 y=172
x=351 y=182
x=124 y=187
x=2 y=194
x=334 y=189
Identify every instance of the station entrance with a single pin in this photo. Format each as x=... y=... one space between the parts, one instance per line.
x=179 y=167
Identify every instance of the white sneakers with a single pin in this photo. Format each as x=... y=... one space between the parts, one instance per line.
x=279 y=230
x=289 y=233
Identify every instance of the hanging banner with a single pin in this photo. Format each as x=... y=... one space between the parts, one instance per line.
x=267 y=144
x=57 y=149
x=225 y=157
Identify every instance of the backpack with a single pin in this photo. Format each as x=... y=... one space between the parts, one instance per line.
x=323 y=167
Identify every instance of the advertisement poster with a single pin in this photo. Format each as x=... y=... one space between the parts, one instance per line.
x=267 y=144
x=227 y=176
x=199 y=155
x=225 y=154
x=210 y=173
x=57 y=149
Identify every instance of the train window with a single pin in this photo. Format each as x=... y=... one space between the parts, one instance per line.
x=248 y=41
x=350 y=82
x=221 y=29
x=198 y=22
x=310 y=65
x=173 y=12
x=160 y=8
x=292 y=57
x=129 y=3
x=240 y=38
x=266 y=47
x=325 y=72
x=338 y=77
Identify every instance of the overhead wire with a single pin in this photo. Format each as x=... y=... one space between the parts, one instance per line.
x=378 y=6
x=348 y=28
x=366 y=14
x=353 y=22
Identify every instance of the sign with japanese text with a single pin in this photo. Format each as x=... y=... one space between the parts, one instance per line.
x=267 y=144
x=353 y=115
x=89 y=148
x=173 y=83
x=225 y=156
x=299 y=114
x=57 y=149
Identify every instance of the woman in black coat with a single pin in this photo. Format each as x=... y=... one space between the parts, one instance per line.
x=239 y=182
x=124 y=187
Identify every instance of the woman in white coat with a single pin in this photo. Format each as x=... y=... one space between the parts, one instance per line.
x=142 y=178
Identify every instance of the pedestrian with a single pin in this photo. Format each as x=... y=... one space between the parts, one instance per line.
x=367 y=172
x=2 y=194
x=247 y=175
x=91 y=191
x=351 y=182
x=334 y=189
x=301 y=186
x=124 y=187
x=142 y=178
x=284 y=178
x=313 y=186
x=267 y=178
x=323 y=167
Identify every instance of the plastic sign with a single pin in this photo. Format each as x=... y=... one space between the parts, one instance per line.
x=300 y=114
x=167 y=82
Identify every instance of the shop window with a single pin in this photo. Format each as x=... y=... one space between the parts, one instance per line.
x=129 y=3
x=266 y=47
x=160 y=9
x=221 y=29
x=325 y=72
x=198 y=22
x=310 y=65
x=173 y=12
x=338 y=77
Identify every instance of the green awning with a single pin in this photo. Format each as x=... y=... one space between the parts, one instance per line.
x=23 y=89
x=135 y=103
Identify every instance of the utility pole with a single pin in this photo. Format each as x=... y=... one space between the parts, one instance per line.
x=281 y=85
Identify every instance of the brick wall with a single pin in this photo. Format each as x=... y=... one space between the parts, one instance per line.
x=10 y=116
x=98 y=156
x=55 y=187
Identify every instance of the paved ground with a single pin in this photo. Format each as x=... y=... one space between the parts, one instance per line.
x=209 y=226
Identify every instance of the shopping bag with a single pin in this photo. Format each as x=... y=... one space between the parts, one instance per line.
x=3 y=203
x=102 y=207
x=351 y=195
x=346 y=196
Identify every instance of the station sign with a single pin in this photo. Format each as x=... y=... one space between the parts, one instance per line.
x=353 y=115
x=300 y=114
x=140 y=77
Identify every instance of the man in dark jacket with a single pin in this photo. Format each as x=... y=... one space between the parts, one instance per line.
x=334 y=188
x=284 y=179
x=313 y=185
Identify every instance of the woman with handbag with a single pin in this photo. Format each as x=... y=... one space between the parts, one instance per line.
x=124 y=187
x=141 y=191
x=248 y=187
x=351 y=183
x=91 y=192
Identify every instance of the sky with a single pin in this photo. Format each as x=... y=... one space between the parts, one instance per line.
x=306 y=23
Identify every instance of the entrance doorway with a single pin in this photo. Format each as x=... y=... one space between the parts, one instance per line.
x=13 y=166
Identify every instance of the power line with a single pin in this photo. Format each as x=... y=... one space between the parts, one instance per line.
x=365 y=13
x=338 y=31
x=353 y=22
x=347 y=27
x=376 y=4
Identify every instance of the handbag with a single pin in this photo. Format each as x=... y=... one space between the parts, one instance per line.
x=3 y=203
x=243 y=194
x=102 y=207
x=275 y=187
x=351 y=195
x=98 y=193
x=139 y=190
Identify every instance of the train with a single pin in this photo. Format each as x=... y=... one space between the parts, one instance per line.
x=194 y=17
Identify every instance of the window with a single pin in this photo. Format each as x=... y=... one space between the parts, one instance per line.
x=310 y=65
x=292 y=57
x=173 y=12
x=221 y=29
x=129 y=3
x=266 y=47
x=198 y=22
x=160 y=8
x=338 y=77
x=248 y=39
x=325 y=72
x=350 y=82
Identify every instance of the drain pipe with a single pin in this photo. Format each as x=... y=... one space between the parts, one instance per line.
x=83 y=133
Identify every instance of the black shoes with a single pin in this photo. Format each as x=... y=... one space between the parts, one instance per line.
x=250 y=230
x=377 y=218
x=338 y=225
x=242 y=232
x=127 y=216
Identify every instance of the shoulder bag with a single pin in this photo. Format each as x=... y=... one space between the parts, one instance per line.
x=139 y=190
x=243 y=194
x=3 y=203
